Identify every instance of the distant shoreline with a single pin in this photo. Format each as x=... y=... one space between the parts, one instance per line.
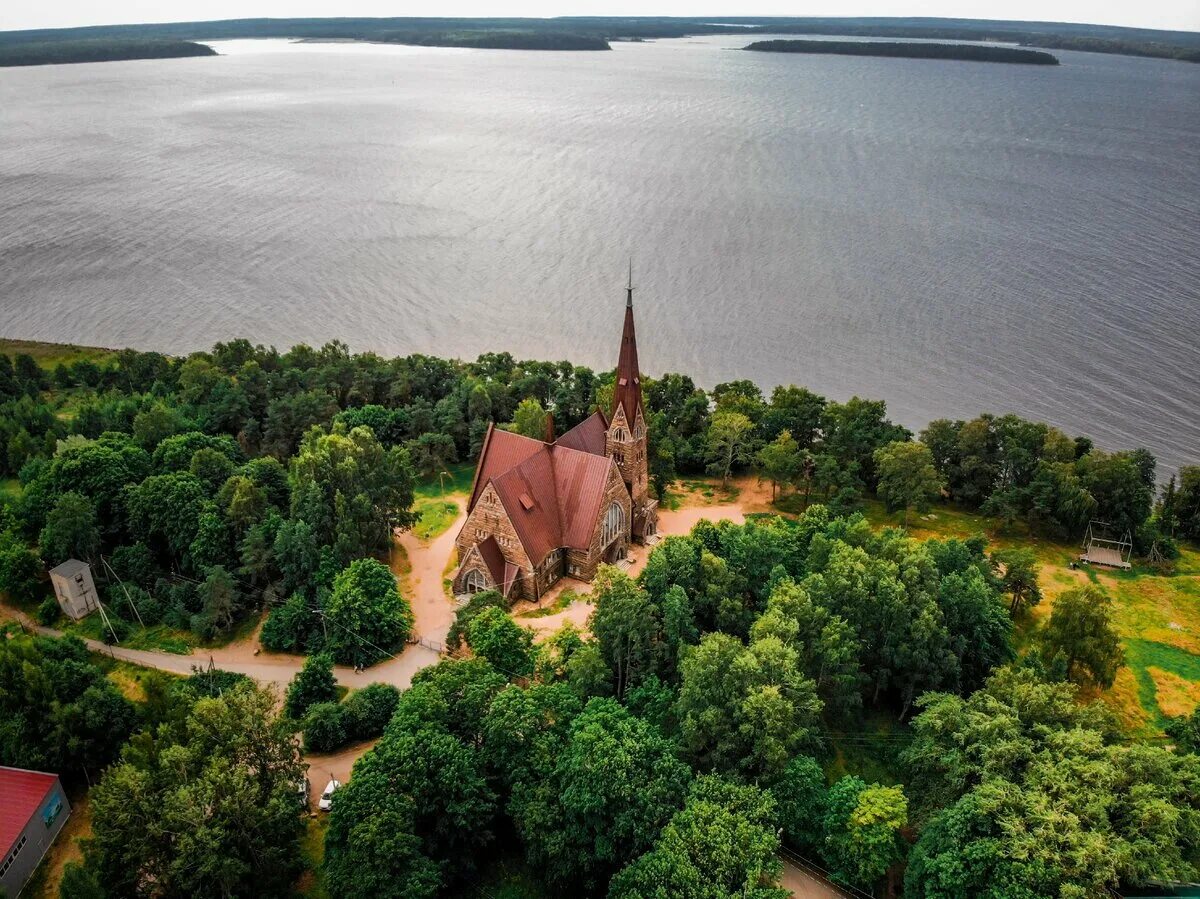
x=599 y=32
x=48 y=53
x=910 y=50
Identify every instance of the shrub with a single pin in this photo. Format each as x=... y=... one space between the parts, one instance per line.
x=484 y=599
x=202 y=625
x=47 y=612
x=366 y=712
x=118 y=626
x=324 y=728
x=313 y=684
x=291 y=627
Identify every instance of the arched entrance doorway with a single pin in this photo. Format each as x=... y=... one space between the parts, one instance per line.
x=474 y=581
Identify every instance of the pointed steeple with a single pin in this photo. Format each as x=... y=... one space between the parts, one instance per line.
x=628 y=389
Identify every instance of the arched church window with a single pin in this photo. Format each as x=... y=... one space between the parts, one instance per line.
x=614 y=524
x=474 y=582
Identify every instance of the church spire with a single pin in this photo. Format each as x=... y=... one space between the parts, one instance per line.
x=628 y=389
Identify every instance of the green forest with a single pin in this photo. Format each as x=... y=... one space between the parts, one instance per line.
x=910 y=50
x=97 y=50
x=879 y=701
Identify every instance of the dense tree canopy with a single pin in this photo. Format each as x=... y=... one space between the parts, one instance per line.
x=1031 y=794
x=205 y=807
x=58 y=712
x=366 y=614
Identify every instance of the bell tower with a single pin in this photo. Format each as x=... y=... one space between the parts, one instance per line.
x=626 y=441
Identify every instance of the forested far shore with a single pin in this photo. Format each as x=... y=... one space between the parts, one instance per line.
x=495 y=40
x=586 y=32
x=46 y=53
x=909 y=50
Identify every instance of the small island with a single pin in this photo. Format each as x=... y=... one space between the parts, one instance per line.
x=910 y=50
x=46 y=53
x=495 y=40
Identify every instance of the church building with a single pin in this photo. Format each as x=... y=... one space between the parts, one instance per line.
x=542 y=510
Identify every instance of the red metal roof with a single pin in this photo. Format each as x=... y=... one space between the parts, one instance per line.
x=588 y=436
x=21 y=795
x=501 y=451
x=552 y=497
x=489 y=551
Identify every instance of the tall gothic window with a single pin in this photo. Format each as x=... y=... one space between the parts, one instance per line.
x=614 y=524
x=474 y=582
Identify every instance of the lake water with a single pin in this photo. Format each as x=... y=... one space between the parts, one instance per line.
x=952 y=237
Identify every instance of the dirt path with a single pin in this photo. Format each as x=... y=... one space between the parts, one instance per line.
x=270 y=668
x=324 y=766
x=806 y=886
x=433 y=609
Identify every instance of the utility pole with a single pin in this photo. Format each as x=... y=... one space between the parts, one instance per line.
x=128 y=598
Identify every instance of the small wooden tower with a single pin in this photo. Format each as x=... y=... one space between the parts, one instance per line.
x=74 y=588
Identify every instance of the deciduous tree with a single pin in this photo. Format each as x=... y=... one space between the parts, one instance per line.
x=366 y=614
x=1080 y=628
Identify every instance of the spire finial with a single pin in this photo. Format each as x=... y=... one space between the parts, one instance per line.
x=629 y=288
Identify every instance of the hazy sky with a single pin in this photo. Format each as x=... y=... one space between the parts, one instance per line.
x=1177 y=14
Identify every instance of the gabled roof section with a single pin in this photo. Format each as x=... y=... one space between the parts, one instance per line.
x=627 y=391
x=502 y=450
x=588 y=436
x=580 y=479
x=536 y=521
x=489 y=551
x=553 y=498
x=510 y=577
x=21 y=795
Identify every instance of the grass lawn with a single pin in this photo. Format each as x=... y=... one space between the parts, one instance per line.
x=560 y=604
x=158 y=637
x=10 y=488
x=130 y=679
x=401 y=567
x=50 y=355
x=457 y=481
x=434 y=517
x=700 y=492
x=1157 y=615
x=312 y=848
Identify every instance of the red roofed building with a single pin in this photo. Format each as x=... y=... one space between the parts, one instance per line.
x=33 y=809
x=540 y=510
